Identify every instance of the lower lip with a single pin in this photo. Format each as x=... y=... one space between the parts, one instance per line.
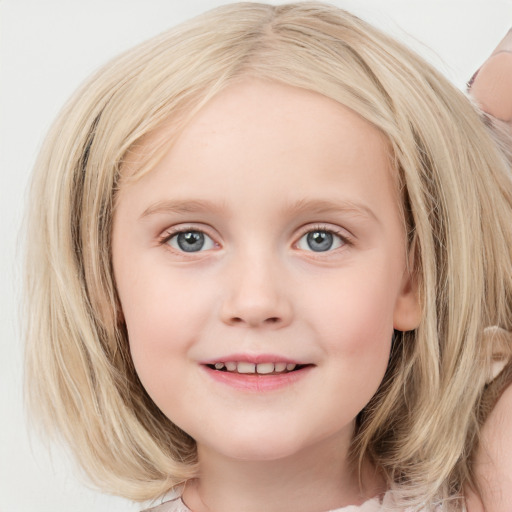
x=257 y=382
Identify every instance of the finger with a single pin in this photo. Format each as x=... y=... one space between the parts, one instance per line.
x=491 y=86
x=505 y=45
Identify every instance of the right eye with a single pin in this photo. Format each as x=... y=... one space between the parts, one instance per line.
x=321 y=240
x=190 y=241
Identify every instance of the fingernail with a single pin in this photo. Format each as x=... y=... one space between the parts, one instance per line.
x=471 y=80
x=505 y=45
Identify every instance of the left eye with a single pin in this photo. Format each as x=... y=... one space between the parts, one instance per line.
x=320 y=240
x=191 y=241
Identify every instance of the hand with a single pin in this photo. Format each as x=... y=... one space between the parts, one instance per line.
x=491 y=85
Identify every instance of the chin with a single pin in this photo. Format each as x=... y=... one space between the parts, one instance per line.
x=263 y=448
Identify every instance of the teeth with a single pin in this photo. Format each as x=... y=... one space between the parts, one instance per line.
x=265 y=368
x=280 y=367
x=246 y=367
x=260 y=368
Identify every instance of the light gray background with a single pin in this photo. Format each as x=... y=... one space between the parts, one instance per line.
x=47 y=48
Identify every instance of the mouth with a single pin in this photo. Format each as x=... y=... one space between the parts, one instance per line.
x=256 y=373
x=264 y=368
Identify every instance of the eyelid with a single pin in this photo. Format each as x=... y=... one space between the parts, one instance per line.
x=346 y=237
x=173 y=231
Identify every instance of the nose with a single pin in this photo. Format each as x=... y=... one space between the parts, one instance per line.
x=256 y=295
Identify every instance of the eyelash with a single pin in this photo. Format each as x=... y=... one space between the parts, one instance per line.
x=346 y=239
x=174 y=232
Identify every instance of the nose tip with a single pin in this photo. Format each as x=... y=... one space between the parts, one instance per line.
x=256 y=304
x=256 y=291
x=255 y=320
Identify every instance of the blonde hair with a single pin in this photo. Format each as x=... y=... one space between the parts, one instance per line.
x=423 y=423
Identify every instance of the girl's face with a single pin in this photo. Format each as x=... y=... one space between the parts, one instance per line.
x=261 y=269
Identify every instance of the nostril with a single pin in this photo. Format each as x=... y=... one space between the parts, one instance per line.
x=267 y=321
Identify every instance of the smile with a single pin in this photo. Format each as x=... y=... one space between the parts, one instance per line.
x=266 y=368
x=256 y=374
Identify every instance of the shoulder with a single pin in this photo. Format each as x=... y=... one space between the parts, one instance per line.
x=169 y=506
x=172 y=502
x=493 y=462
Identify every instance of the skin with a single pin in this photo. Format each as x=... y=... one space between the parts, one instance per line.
x=493 y=465
x=254 y=171
x=492 y=85
x=492 y=90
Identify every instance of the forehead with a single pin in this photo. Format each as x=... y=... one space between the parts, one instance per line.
x=265 y=135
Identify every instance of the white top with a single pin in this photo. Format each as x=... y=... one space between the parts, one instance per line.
x=374 y=505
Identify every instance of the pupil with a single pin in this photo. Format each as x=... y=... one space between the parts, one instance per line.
x=191 y=241
x=319 y=241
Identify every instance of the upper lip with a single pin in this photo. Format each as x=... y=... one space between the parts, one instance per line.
x=253 y=358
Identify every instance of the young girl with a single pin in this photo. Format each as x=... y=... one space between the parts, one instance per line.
x=269 y=268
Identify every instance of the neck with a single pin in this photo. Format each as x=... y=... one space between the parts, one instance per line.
x=316 y=480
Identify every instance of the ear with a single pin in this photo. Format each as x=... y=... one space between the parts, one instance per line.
x=118 y=311
x=408 y=312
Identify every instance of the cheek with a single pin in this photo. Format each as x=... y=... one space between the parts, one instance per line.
x=165 y=315
x=159 y=344
x=355 y=324
x=156 y=304
x=359 y=308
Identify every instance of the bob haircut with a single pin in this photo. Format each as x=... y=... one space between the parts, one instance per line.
x=421 y=427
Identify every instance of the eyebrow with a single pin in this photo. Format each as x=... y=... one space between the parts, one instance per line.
x=326 y=206
x=180 y=207
x=315 y=206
